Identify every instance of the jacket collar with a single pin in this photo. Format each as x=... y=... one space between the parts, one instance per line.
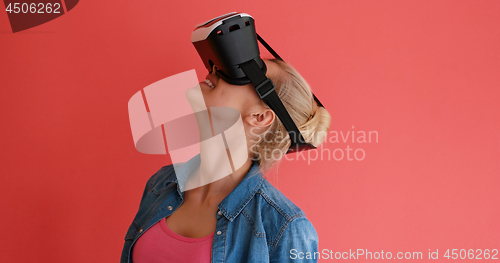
x=232 y=205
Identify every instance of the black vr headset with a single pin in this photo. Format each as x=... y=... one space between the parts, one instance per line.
x=230 y=43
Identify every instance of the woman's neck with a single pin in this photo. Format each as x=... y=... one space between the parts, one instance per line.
x=213 y=193
x=220 y=169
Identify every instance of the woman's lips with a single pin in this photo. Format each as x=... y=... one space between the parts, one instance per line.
x=209 y=83
x=204 y=83
x=212 y=79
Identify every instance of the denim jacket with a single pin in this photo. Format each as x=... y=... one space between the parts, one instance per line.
x=255 y=222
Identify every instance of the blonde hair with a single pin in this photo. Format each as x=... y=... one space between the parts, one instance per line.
x=313 y=121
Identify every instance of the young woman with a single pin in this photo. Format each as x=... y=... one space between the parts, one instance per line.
x=241 y=217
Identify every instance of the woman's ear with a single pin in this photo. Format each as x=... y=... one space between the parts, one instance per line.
x=263 y=118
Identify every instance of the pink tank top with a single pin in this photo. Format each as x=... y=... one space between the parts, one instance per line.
x=160 y=244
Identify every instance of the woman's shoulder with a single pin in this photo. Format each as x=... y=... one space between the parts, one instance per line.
x=279 y=202
x=283 y=221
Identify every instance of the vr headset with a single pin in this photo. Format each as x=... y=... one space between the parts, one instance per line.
x=229 y=42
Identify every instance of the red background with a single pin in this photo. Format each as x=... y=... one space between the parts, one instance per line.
x=423 y=74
